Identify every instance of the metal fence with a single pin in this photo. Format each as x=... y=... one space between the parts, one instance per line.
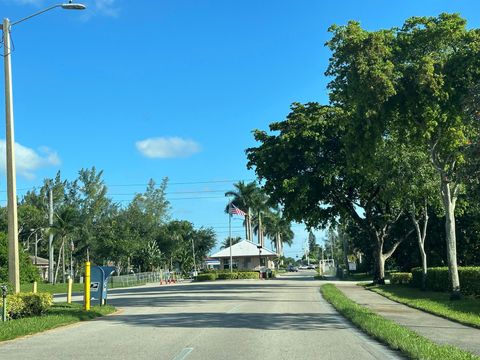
x=157 y=277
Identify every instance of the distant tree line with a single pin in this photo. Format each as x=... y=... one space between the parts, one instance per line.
x=87 y=223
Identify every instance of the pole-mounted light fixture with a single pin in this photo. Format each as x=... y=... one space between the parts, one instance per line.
x=13 y=257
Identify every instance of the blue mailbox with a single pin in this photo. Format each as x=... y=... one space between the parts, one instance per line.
x=99 y=282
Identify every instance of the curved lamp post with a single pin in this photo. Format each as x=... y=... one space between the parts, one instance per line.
x=13 y=259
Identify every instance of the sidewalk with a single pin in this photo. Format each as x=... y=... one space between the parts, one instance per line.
x=437 y=329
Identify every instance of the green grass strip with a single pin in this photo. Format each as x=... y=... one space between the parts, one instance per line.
x=52 y=288
x=76 y=288
x=390 y=333
x=57 y=315
x=465 y=311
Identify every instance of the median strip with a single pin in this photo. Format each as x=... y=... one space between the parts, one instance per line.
x=390 y=333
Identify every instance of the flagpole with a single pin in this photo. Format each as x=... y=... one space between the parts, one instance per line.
x=230 y=233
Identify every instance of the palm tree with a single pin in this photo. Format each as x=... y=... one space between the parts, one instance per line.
x=64 y=228
x=278 y=230
x=244 y=197
x=226 y=242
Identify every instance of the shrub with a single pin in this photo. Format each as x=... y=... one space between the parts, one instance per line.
x=438 y=279
x=206 y=277
x=227 y=276
x=28 y=271
x=28 y=304
x=248 y=275
x=400 y=278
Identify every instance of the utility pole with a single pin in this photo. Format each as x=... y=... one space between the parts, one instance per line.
x=36 y=247
x=193 y=253
x=13 y=257
x=50 y=233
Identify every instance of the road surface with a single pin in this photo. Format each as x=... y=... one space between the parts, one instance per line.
x=284 y=318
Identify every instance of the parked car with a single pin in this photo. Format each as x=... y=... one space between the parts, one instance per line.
x=292 y=268
x=311 y=267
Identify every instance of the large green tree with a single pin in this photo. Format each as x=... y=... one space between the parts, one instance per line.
x=309 y=172
x=419 y=80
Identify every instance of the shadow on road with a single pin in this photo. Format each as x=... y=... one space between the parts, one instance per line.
x=263 y=321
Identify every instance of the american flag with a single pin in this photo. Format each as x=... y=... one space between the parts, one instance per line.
x=233 y=210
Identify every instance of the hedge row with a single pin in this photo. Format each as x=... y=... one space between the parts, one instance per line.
x=210 y=276
x=438 y=279
x=400 y=278
x=28 y=304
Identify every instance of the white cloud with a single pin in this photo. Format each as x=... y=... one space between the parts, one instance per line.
x=106 y=7
x=167 y=147
x=28 y=160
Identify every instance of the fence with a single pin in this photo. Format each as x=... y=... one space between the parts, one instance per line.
x=157 y=277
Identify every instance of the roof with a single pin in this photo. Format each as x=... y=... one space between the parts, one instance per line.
x=243 y=248
x=40 y=260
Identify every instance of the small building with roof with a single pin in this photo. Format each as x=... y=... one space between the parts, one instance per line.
x=246 y=255
x=42 y=265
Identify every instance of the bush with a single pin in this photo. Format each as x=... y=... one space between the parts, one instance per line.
x=248 y=275
x=28 y=304
x=206 y=277
x=227 y=276
x=28 y=272
x=438 y=279
x=400 y=278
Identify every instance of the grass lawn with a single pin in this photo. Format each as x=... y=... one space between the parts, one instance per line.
x=62 y=288
x=465 y=311
x=57 y=315
x=52 y=289
x=397 y=337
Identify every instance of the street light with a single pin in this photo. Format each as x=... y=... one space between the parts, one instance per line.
x=13 y=259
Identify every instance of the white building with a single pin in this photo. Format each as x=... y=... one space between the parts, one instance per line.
x=246 y=256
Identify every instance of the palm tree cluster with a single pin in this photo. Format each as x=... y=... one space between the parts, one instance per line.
x=262 y=218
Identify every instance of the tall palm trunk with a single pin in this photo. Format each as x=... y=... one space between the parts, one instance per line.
x=260 y=240
x=250 y=229
x=58 y=262
x=63 y=264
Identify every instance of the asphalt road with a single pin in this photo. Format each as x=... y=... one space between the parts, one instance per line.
x=284 y=318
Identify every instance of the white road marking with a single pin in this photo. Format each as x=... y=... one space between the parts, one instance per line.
x=232 y=310
x=183 y=354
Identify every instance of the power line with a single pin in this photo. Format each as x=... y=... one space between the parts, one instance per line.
x=187 y=182
x=177 y=192
x=146 y=184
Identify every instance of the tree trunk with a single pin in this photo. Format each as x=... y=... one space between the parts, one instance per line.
x=345 y=252
x=379 y=277
x=58 y=264
x=63 y=264
x=250 y=230
x=260 y=241
x=449 y=200
x=421 y=236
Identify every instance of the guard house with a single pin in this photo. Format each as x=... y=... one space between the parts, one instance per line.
x=246 y=256
x=42 y=265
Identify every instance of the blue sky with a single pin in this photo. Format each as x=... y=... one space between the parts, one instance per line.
x=148 y=89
